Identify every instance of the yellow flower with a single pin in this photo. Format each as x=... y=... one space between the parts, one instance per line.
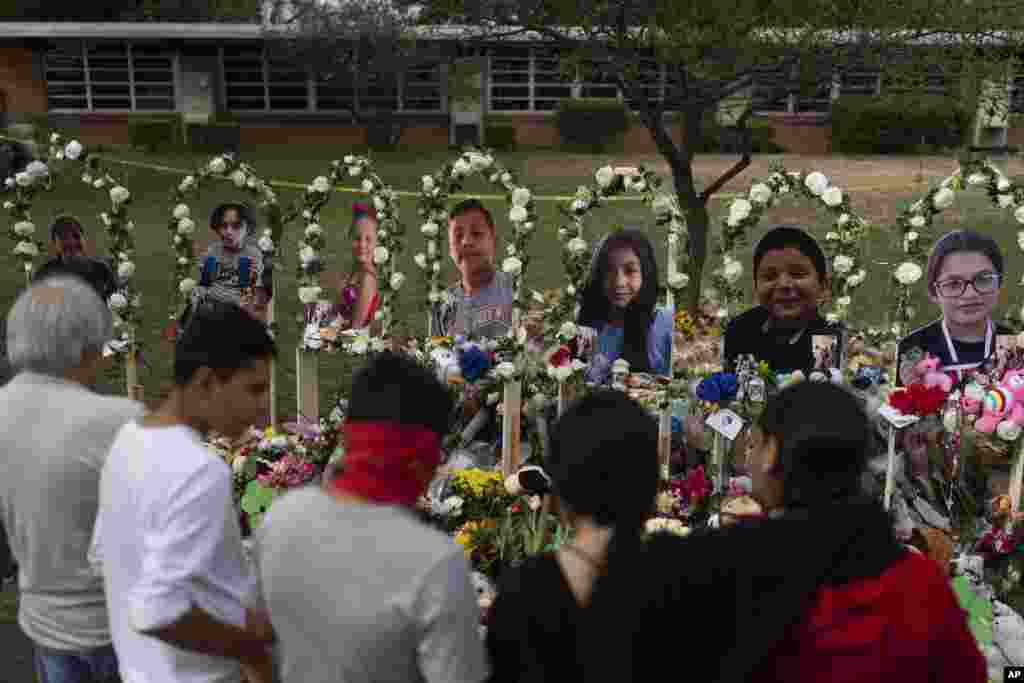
x=477 y=483
x=268 y=433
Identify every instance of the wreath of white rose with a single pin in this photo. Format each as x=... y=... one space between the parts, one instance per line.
x=915 y=223
x=125 y=302
x=26 y=185
x=182 y=227
x=436 y=189
x=843 y=244
x=389 y=246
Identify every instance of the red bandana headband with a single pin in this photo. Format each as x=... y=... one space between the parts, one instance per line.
x=387 y=462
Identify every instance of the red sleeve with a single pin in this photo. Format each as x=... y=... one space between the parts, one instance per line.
x=953 y=651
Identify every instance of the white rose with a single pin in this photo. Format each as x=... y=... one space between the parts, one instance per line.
x=381 y=255
x=186 y=286
x=521 y=197
x=367 y=185
x=118 y=301
x=27 y=249
x=8 y=205
x=576 y=246
x=843 y=220
x=181 y=211
x=518 y=214
x=314 y=230
x=911 y=236
x=833 y=196
x=428 y=183
x=462 y=167
x=943 y=199
x=512 y=266
x=917 y=221
x=126 y=270
x=1008 y=431
x=9 y=182
x=843 y=301
x=218 y=165
x=307 y=254
x=238 y=178
x=420 y=260
x=354 y=171
x=436 y=267
x=678 y=280
x=842 y=264
x=186 y=226
x=908 y=273
x=662 y=205
x=99 y=183
x=1019 y=214
x=832 y=237
x=177 y=240
x=266 y=244
x=976 y=179
x=37 y=169
x=309 y=295
x=433 y=297
x=605 y=176
x=857 y=278
x=321 y=184
x=816 y=182
x=396 y=280
x=732 y=271
x=23 y=179
x=451 y=506
x=182 y=261
x=1020 y=239
x=740 y=209
x=379 y=203
x=505 y=370
x=570 y=290
x=430 y=229
x=1005 y=201
x=511 y=250
x=567 y=331
x=349 y=159
x=1003 y=184
x=579 y=205
x=119 y=194
x=24 y=228
x=73 y=150
x=760 y=193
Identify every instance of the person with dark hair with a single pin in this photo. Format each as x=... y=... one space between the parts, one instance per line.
x=359 y=297
x=606 y=498
x=68 y=239
x=357 y=587
x=167 y=539
x=480 y=305
x=619 y=302
x=820 y=590
x=965 y=273
x=232 y=270
x=791 y=279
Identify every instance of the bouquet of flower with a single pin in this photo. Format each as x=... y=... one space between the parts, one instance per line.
x=1002 y=546
x=270 y=466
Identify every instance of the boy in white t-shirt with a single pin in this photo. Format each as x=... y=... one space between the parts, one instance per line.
x=167 y=538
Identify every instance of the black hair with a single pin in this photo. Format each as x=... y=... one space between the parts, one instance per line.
x=81 y=267
x=595 y=307
x=959 y=241
x=223 y=337
x=63 y=224
x=395 y=388
x=824 y=441
x=467 y=205
x=217 y=216
x=789 y=237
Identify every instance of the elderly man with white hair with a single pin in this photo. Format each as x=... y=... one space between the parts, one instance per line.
x=55 y=434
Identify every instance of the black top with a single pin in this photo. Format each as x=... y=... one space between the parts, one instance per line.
x=533 y=635
x=100 y=276
x=751 y=333
x=930 y=339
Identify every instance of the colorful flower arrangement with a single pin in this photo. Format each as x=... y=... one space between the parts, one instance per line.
x=182 y=226
x=843 y=242
x=1002 y=546
x=915 y=223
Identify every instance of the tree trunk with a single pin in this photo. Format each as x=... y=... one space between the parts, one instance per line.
x=698 y=223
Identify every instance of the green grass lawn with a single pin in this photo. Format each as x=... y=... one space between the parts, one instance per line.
x=151 y=206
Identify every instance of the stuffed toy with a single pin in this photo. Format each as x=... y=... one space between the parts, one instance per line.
x=1014 y=381
x=928 y=370
x=972 y=398
x=997 y=406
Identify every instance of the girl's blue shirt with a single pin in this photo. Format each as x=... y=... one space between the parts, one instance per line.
x=611 y=340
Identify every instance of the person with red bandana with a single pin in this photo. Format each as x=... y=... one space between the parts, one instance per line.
x=357 y=587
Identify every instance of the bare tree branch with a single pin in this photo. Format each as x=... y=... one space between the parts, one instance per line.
x=738 y=167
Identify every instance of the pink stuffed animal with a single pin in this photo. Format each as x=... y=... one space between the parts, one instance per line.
x=973 y=395
x=931 y=374
x=997 y=406
x=1013 y=380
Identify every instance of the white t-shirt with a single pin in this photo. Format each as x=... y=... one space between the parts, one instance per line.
x=167 y=539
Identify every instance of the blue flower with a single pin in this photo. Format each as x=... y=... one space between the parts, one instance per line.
x=677 y=425
x=474 y=363
x=720 y=387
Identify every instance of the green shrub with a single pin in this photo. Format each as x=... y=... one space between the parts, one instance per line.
x=593 y=123
x=896 y=125
x=153 y=134
x=715 y=136
x=215 y=137
x=500 y=137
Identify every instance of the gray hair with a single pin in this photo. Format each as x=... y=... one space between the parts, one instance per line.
x=54 y=323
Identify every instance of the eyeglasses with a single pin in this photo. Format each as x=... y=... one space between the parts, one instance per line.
x=983 y=283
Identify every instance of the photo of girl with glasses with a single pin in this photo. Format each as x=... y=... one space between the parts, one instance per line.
x=965 y=272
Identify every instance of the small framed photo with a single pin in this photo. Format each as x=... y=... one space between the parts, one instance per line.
x=1007 y=354
x=828 y=351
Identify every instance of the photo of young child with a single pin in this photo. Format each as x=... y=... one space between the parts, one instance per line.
x=827 y=351
x=1007 y=355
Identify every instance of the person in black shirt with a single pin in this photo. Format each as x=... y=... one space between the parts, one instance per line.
x=790 y=280
x=68 y=239
x=965 y=272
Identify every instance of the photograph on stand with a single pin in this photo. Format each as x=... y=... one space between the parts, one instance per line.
x=828 y=351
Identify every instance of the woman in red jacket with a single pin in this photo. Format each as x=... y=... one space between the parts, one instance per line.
x=819 y=591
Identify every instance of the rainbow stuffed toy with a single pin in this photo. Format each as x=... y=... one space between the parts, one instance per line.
x=997 y=405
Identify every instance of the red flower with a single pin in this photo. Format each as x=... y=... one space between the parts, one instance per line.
x=560 y=357
x=695 y=486
x=917 y=399
x=514 y=509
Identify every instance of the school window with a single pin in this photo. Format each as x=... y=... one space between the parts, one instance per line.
x=108 y=76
